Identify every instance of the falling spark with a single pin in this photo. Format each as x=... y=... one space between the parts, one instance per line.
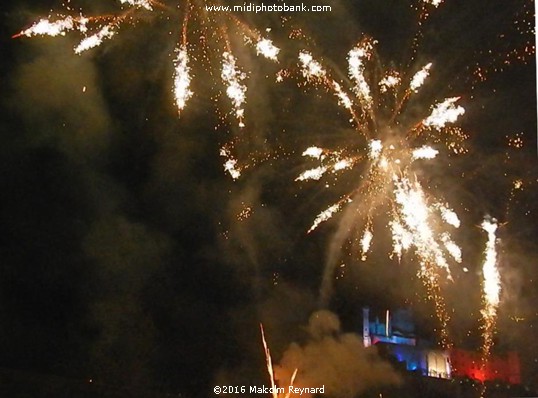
x=449 y=216
x=452 y=248
x=245 y=213
x=518 y=184
x=366 y=242
x=235 y=89
x=310 y=67
x=231 y=164
x=419 y=78
x=343 y=97
x=314 y=72
x=356 y=67
x=425 y=152
x=313 y=152
x=44 y=27
x=266 y=48
x=375 y=149
x=443 y=113
x=312 y=174
x=401 y=238
x=342 y=165
x=182 y=79
x=415 y=214
x=328 y=213
x=95 y=40
x=389 y=81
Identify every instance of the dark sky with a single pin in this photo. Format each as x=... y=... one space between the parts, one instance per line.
x=122 y=258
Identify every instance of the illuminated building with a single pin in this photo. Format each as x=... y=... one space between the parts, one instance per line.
x=468 y=364
x=395 y=337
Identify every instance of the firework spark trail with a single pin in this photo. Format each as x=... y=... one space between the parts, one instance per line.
x=44 y=27
x=328 y=213
x=415 y=214
x=182 y=71
x=443 y=113
x=236 y=90
x=356 y=68
x=391 y=80
x=332 y=162
x=422 y=8
x=366 y=241
x=80 y=23
x=182 y=78
x=419 y=78
x=491 y=289
x=269 y=363
x=314 y=72
x=292 y=382
x=271 y=372
x=96 y=39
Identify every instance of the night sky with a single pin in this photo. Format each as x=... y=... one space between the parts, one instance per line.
x=125 y=259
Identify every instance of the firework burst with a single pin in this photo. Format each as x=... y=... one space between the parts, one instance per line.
x=393 y=147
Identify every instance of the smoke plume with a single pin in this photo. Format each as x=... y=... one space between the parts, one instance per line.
x=338 y=361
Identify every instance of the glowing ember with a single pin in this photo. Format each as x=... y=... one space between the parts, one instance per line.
x=230 y=165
